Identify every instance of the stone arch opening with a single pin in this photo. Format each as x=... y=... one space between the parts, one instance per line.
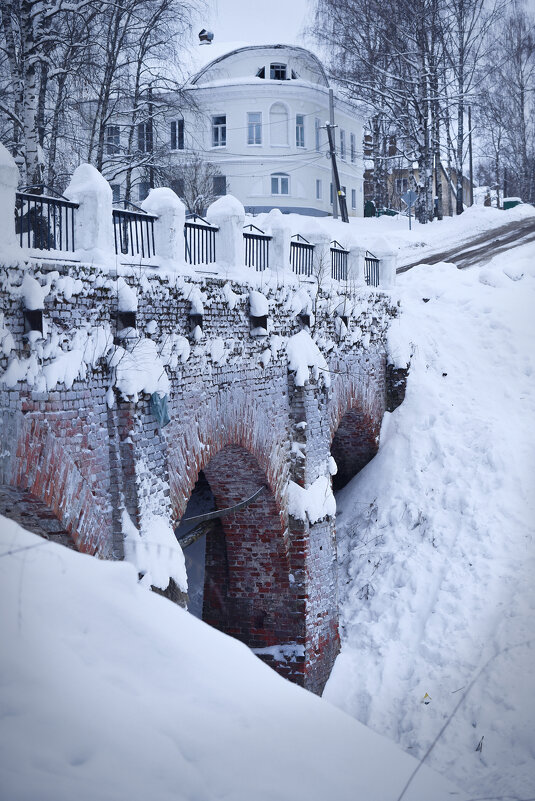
x=354 y=444
x=42 y=489
x=248 y=590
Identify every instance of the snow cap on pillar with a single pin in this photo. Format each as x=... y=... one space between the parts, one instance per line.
x=9 y=179
x=229 y=215
x=169 y=227
x=93 y=217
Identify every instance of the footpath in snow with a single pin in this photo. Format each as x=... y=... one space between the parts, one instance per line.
x=435 y=535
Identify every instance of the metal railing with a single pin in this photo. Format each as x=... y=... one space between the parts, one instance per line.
x=256 y=248
x=199 y=240
x=338 y=261
x=133 y=232
x=44 y=222
x=371 y=269
x=301 y=255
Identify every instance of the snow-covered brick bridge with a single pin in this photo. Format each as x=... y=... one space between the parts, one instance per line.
x=267 y=379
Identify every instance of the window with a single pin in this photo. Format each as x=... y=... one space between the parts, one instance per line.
x=295 y=75
x=116 y=192
x=353 y=148
x=318 y=189
x=113 y=139
x=277 y=72
x=342 y=143
x=317 y=126
x=219 y=131
x=177 y=134
x=353 y=198
x=280 y=184
x=261 y=73
x=143 y=190
x=402 y=185
x=220 y=184
x=254 y=128
x=278 y=124
x=144 y=137
x=299 y=130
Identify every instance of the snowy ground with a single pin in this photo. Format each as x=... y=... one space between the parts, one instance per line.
x=110 y=692
x=435 y=535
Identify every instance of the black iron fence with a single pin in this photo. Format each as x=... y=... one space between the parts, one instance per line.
x=338 y=261
x=371 y=269
x=256 y=248
x=199 y=240
x=44 y=222
x=133 y=232
x=301 y=255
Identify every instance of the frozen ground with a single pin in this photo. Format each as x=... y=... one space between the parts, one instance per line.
x=436 y=534
x=110 y=692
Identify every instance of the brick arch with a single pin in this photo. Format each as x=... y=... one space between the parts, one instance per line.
x=354 y=443
x=42 y=489
x=249 y=589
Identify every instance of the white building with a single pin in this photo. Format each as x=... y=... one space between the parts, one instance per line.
x=261 y=112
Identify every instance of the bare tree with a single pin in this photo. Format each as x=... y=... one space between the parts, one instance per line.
x=196 y=181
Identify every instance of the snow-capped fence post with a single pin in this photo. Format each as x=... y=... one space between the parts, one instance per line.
x=387 y=269
x=277 y=224
x=9 y=179
x=93 y=222
x=321 y=268
x=169 y=225
x=228 y=214
x=355 y=265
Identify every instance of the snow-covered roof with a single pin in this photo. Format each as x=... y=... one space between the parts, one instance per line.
x=213 y=54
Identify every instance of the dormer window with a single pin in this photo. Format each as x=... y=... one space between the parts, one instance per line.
x=261 y=73
x=294 y=75
x=277 y=72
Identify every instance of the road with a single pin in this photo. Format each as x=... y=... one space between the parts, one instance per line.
x=482 y=247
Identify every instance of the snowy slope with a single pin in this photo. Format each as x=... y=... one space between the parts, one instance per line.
x=110 y=692
x=436 y=535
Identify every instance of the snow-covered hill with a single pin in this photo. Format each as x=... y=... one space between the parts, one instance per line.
x=437 y=557
x=110 y=692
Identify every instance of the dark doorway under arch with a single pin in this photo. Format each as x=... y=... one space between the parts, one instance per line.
x=354 y=444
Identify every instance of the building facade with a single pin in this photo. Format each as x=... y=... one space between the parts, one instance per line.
x=258 y=114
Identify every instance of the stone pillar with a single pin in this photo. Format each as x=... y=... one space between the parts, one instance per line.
x=387 y=269
x=355 y=266
x=279 y=247
x=229 y=216
x=322 y=256
x=93 y=222
x=9 y=179
x=169 y=227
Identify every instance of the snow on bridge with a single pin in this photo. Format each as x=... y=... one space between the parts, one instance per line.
x=120 y=384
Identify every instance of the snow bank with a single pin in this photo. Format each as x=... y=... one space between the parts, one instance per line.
x=304 y=353
x=154 y=551
x=112 y=692
x=314 y=503
x=435 y=535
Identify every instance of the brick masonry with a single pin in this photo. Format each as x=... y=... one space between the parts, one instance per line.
x=69 y=463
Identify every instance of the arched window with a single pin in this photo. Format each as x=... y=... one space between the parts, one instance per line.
x=280 y=183
x=278 y=124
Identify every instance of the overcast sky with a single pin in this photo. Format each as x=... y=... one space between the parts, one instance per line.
x=258 y=21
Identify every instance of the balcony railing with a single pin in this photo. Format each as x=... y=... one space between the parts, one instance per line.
x=43 y=222
x=199 y=240
x=256 y=248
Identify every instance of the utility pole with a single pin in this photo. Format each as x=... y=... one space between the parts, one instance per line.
x=470 y=166
x=332 y=149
